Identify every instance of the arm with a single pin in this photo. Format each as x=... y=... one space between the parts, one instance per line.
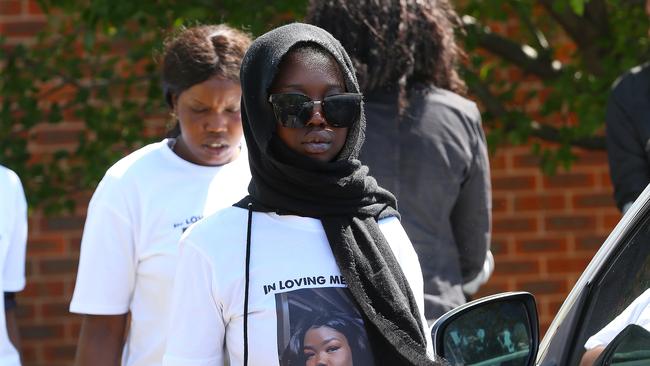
x=14 y=265
x=591 y=355
x=408 y=260
x=628 y=164
x=105 y=279
x=471 y=216
x=12 y=328
x=101 y=340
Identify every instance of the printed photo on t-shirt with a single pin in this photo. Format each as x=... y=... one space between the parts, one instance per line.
x=321 y=326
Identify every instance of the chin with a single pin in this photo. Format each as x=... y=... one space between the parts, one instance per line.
x=323 y=159
x=218 y=162
x=222 y=159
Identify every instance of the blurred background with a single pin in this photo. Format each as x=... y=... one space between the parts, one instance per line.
x=79 y=88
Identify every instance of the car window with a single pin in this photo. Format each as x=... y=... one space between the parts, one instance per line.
x=625 y=276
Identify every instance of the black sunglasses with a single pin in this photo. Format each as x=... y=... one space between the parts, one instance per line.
x=294 y=110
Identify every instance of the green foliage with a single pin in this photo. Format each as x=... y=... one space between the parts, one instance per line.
x=95 y=64
x=578 y=6
x=94 y=67
x=566 y=52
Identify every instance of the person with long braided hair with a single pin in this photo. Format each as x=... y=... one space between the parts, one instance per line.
x=426 y=144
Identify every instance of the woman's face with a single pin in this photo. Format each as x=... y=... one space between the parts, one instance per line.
x=326 y=346
x=210 y=122
x=315 y=75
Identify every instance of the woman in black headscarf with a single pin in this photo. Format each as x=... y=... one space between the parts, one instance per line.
x=312 y=217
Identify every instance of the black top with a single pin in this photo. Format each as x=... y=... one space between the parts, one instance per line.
x=628 y=134
x=435 y=161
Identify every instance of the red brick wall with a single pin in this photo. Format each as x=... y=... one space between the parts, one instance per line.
x=48 y=331
x=20 y=19
x=545 y=229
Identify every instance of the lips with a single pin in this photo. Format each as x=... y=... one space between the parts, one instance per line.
x=317 y=142
x=216 y=146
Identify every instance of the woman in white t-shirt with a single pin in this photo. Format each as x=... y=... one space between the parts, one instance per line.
x=13 y=241
x=149 y=198
x=316 y=235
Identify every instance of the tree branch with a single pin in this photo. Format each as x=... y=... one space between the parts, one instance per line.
x=549 y=133
x=545 y=132
x=587 y=31
x=525 y=57
x=541 y=43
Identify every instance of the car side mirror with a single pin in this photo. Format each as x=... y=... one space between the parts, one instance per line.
x=501 y=329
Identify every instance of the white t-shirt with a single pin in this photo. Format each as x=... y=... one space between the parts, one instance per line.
x=638 y=312
x=13 y=241
x=129 y=247
x=293 y=278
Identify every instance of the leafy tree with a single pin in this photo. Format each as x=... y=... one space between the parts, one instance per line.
x=569 y=52
x=94 y=66
x=96 y=63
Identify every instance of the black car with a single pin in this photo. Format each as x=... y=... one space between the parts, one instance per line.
x=502 y=329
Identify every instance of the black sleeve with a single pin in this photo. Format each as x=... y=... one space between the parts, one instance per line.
x=471 y=215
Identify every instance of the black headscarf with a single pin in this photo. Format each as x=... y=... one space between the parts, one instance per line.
x=340 y=193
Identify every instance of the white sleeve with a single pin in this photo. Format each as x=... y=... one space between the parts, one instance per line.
x=408 y=259
x=629 y=316
x=107 y=262
x=13 y=273
x=197 y=329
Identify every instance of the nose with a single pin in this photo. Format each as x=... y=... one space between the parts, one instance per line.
x=322 y=361
x=216 y=122
x=317 y=116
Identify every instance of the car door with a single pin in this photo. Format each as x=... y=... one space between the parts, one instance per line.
x=617 y=275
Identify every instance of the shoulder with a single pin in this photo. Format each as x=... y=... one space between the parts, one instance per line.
x=10 y=185
x=122 y=177
x=140 y=163
x=448 y=119
x=445 y=116
x=633 y=85
x=441 y=101
x=8 y=178
x=133 y=162
x=395 y=234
